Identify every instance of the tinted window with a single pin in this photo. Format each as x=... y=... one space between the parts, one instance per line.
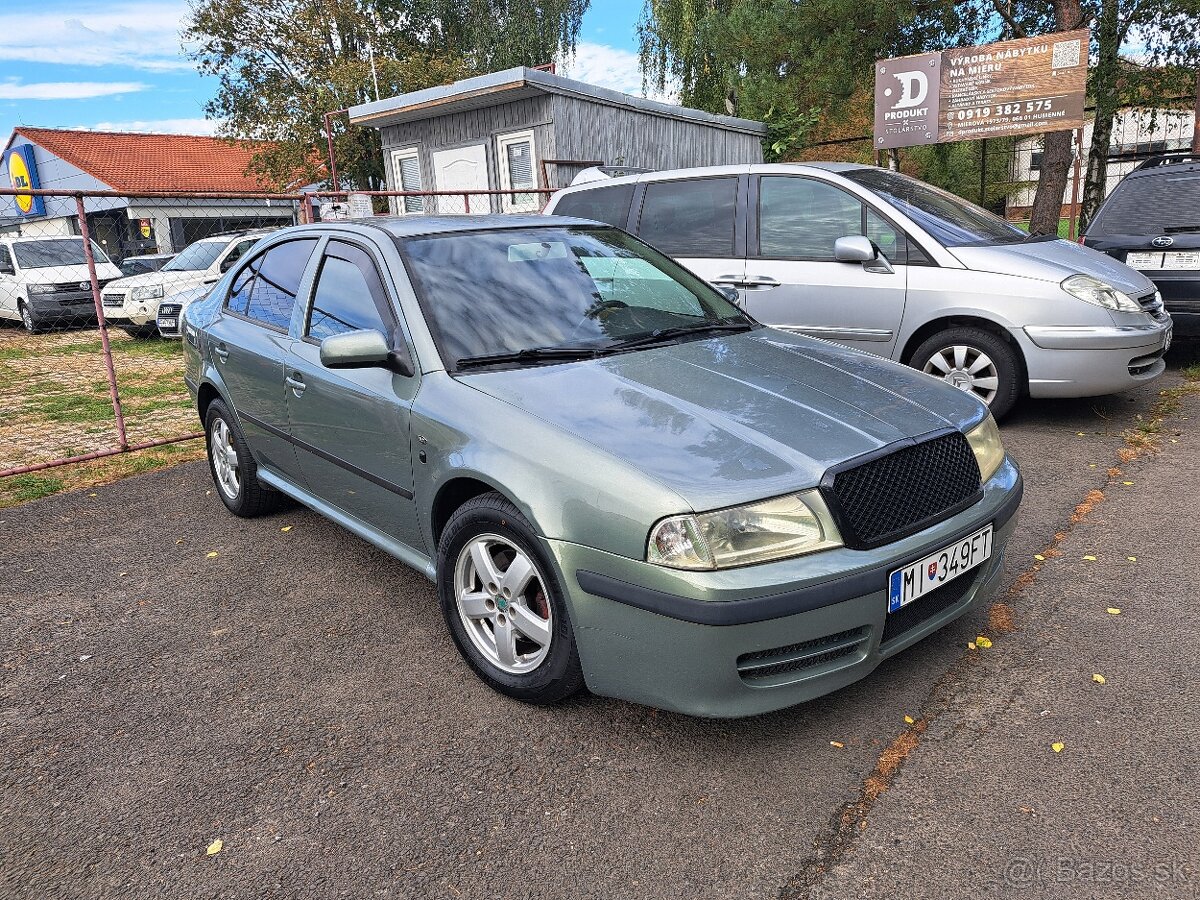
x=509 y=290
x=607 y=204
x=348 y=295
x=690 y=218
x=197 y=257
x=239 y=250
x=1164 y=198
x=949 y=219
x=266 y=289
x=800 y=217
x=47 y=254
x=892 y=242
x=5 y=258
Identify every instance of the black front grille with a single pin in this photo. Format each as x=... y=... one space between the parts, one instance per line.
x=901 y=492
x=805 y=655
x=938 y=600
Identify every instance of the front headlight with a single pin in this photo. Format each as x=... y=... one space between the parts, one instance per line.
x=984 y=439
x=150 y=292
x=1099 y=293
x=739 y=536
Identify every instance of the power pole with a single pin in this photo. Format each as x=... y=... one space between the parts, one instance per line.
x=1196 y=122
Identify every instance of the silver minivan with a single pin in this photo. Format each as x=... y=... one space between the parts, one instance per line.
x=885 y=263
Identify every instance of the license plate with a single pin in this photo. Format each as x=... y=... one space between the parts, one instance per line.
x=167 y=323
x=915 y=581
x=1171 y=259
x=1144 y=260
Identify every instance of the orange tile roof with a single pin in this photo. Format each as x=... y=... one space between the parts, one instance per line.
x=152 y=162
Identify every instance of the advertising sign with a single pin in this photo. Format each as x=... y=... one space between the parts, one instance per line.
x=1012 y=87
x=22 y=173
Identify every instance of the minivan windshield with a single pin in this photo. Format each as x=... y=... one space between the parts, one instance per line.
x=51 y=253
x=529 y=295
x=197 y=257
x=952 y=221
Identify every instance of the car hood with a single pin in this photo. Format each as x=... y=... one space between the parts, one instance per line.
x=171 y=281
x=736 y=418
x=1053 y=261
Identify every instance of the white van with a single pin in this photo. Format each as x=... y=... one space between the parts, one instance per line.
x=44 y=281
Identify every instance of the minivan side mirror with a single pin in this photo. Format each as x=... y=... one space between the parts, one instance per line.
x=861 y=249
x=6 y=268
x=730 y=293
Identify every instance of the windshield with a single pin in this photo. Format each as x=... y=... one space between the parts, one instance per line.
x=196 y=258
x=952 y=221
x=540 y=289
x=48 y=254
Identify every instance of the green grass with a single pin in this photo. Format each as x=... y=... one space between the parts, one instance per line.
x=73 y=407
x=32 y=487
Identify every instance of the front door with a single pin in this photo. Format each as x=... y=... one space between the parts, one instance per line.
x=8 y=285
x=794 y=282
x=248 y=343
x=462 y=169
x=350 y=426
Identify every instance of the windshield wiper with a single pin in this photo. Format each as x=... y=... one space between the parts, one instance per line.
x=528 y=355
x=666 y=334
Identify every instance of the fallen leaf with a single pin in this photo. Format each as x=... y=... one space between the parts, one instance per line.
x=1091 y=465
x=84 y=658
x=212 y=554
x=1039 y=557
x=983 y=642
x=1113 y=611
x=1079 y=434
x=91 y=495
x=286 y=528
x=1126 y=482
x=122 y=574
x=1057 y=746
x=837 y=744
x=1131 y=558
x=970 y=645
x=1098 y=678
x=1090 y=558
x=215 y=847
x=178 y=542
x=910 y=720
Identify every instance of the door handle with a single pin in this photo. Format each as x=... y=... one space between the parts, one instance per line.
x=761 y=283
x=296 y=383
x=221 y=352
x=731 y=280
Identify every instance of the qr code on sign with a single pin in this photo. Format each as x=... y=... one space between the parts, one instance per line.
x=1066 y=54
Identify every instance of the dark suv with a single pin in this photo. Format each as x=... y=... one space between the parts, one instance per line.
x=1151 y=222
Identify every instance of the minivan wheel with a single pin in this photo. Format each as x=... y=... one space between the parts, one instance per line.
x=32 y=325
x=503 y=604
x=234 y=472
x=974 y=361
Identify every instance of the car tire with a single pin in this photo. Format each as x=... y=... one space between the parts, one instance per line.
x=141 y=332
x=32 y=325
x=997 y=379
x=503 y=644
x=233 y=470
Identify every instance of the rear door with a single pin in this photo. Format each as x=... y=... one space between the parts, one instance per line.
x=696 y=222
x=351 y=425
x=248 y=343
x=793 y=280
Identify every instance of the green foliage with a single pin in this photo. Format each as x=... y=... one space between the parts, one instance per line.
x=281 y=65
x=955 y=166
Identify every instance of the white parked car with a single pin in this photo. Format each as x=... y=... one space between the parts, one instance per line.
x=44 y=281
x=132 y=303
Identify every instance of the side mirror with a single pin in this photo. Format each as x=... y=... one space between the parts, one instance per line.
x=730 y=293
x=6 y=268
x=861 y=249
x=355 y=349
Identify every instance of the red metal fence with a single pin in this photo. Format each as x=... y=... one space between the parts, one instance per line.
x=86 y=279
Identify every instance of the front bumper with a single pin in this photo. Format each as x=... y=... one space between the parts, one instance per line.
x=705 y=643
x=1071 y=361
x=168 y=319
x=62 y=306
x=120 y=308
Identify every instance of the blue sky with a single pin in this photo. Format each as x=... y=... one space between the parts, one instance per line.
x=117 y=65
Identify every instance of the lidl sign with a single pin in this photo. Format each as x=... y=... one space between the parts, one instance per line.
x=22 y=172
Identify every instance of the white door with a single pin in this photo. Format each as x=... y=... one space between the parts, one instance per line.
x=9 y=292
x=462 y=169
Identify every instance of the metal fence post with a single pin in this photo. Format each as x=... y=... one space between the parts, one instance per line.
x=90 y=258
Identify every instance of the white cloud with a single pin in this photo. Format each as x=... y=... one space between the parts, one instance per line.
x=66 y=90
x=610 y=67
x=143 y=34
x=158 y=126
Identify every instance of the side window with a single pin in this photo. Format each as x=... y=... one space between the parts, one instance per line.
x=239 y=293
x=690 y=218
x=276 y=282
x=5 y=258
x=606 y=204
x=349 y=295
x=238 y=251
x=801 y=218
x=893 y=243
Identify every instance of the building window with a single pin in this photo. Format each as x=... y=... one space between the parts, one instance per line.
x=406 y=164
x=516 y=163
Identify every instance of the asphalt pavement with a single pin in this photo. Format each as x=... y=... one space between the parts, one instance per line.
x=174 y=677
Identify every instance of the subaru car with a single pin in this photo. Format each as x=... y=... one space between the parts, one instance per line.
x=616 y=478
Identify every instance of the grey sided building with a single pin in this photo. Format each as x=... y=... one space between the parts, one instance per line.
x=529 y=128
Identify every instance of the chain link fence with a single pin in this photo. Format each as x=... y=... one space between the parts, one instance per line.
x=92 y=285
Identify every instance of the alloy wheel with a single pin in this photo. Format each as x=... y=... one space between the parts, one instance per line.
x=502 y=601
x=224 y=459
x=27 y=318
x=967 y=368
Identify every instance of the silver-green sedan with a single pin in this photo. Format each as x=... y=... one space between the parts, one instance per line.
x=616 y=477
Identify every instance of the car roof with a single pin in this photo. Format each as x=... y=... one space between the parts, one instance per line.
x=710 y=171
x=418 y=226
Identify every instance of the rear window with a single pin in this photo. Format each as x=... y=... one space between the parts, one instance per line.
x=1153 y=203
x=607 y=204
x=690 y=218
